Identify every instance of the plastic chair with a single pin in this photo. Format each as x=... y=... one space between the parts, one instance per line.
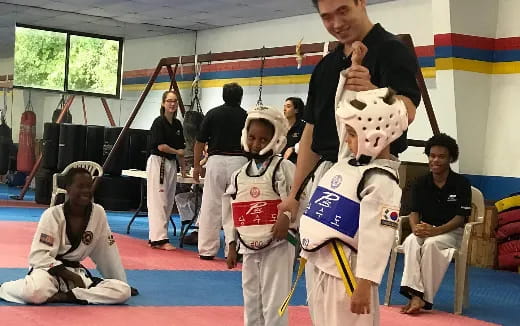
x=95 y=171
x=460 y=256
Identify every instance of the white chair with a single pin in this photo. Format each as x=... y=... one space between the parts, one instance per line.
x=460 y=256
x=95 y=171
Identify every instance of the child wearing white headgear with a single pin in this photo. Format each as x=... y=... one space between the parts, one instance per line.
x=249 y=211
x=348 y=228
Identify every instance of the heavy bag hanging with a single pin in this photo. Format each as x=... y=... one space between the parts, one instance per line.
x=25 y=158
x=51 y=140
x=6 y=138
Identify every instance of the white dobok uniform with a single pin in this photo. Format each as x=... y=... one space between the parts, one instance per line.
x=426 y=262
x=250 y=210
x=51 y=247
x=219 y=169
x=359 y=207
x=161 y=174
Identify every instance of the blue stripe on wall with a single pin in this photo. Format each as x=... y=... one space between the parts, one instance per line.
x=493 y=187
x=245 y=73
x=464 y=53
x=507 y=55
x=426 y=61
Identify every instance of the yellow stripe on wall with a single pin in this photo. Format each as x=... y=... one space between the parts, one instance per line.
x=478 y=66
x=428 y=72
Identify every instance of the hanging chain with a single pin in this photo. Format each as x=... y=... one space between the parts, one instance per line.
x=195 y=87
x=261 y=86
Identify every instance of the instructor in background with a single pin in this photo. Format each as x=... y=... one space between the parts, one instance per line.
x=221 y=129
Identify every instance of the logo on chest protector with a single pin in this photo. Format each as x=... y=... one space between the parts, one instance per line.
x=254 y=192
x=87 y=237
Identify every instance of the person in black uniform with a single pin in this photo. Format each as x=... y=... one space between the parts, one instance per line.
x=387 y=63
x=167 y=146
x=221 y=129
x=293 y=111
x=441 y=205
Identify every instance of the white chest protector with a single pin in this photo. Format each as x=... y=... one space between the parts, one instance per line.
x=254 y=206
x=333 y=210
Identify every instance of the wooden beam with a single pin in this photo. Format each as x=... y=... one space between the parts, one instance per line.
x=121 y=136
x=175 y=87
x=107 y=111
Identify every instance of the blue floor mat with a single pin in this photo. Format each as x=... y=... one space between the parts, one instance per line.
x=6 y=192
x=179 y=288
x=494 y=295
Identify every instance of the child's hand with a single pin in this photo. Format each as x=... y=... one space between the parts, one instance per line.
x=231 y=259
x=281 y=227
x=360 y=301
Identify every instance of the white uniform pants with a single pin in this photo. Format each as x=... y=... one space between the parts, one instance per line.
x=266 y=281
x=426 y=261
x=219 y=169
x=160 y=197
x=329 y=302
x=39 y=286
x=311 y=187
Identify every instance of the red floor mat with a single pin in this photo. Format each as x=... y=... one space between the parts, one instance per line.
x=196 y=316
x=16 y=238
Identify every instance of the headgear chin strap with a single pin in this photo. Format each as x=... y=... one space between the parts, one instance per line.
x=279 y=122
x=377 y=116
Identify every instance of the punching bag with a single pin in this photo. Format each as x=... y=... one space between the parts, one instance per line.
x=26 y=157
x=6 y=142
x=51 y=138
x=120 y=161
x=191 y=126
x=94 y=144
x=71 y=144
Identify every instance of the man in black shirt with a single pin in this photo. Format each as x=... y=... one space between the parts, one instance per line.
x=441 y=203
x=221 y=129
x=388 y=63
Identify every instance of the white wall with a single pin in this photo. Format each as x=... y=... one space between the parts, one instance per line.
x=145 y=53
x=502 y=151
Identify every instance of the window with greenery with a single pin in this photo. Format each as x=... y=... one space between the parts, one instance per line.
x=39 y=60
x=67 y=61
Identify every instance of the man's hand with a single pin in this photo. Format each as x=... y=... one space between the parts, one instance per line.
x=424 y=230
x=359 y=50
x=289 y=205
x=197 y=173
x=281 y=227
x=231 y=259
x=288 y=153
x=358 y=79
x=360 y=301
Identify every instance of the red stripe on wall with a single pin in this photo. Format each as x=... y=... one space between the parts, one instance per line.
x=507 y=43
x=425 y=51
x=467 y=41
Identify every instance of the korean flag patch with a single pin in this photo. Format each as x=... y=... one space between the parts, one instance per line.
x=390 y=216
x=47 y=239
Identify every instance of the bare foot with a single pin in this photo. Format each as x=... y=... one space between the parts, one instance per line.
x=165 y=246
x=405 y=308
x=416 y=305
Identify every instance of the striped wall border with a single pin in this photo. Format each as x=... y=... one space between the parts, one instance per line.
x=450 y=51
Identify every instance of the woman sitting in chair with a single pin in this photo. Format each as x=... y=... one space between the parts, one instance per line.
x=441 y=204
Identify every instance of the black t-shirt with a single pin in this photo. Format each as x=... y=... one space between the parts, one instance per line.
x=391 y=64
x=222 y=129
x=165 y=133
x=293 y=137
x=437 y=206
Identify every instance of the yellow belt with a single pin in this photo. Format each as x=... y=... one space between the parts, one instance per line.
x=345 y=271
